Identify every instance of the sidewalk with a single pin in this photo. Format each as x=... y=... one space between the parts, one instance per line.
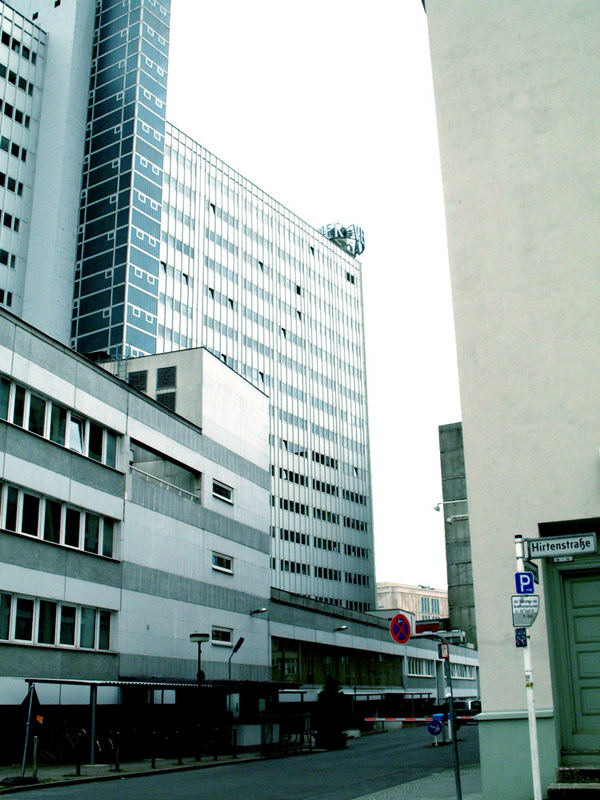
x=440 y=786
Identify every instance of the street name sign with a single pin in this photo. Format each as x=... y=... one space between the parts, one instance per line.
x=582 y=545
x=525 y=608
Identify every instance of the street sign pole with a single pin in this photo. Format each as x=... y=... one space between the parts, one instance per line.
x=533 y=739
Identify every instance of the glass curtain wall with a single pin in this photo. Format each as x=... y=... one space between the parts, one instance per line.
x=281 y=304
x=116 y=278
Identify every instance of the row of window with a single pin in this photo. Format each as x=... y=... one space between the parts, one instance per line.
x=326 y=544
x=48 y=622
x=354 y=605
x=420 y=667
x=324 y=514
x=357 y=578
x=23 y=511
x=11 y=184
x=466 y=671
x=320 y=542
x=355 y=524
x=357 y=552
x=328 y=573
x=15 y=149
x=14 y=113
x=430 y=605
x=47 y=418
x=320 y=486
x=302 y=451
x=166 y=378
x=17 y=47
x=294 y=566
x=6 y=298
x=8 y=259
x=13 y=223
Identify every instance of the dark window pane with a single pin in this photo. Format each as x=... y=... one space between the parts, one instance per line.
x=5 y=602
x=72 y=527
x=104 y=631
x=139 y=380
x=58 y=423
x=12 y=496
x=166 y=377
x=19 y=406
x=167 y=399
x=95 y=441
x=87 y=627
x=31 y=514
x=24 y=621
x=4 y=392
x=92 y=529
x=107 y=538
x=67 y=625
x=37 y=414
x=111 y=449
x=52 y=521
x=47 y=623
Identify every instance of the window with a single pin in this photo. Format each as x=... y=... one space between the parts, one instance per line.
x=58 y=423
x=76 y=433
x=24 y=619
x=221 y=636
x=37 y=414
x=222 y=492
x=420 y=667
x=51 y=622
x=139 y=380
x=166 y=377
x=222 y=563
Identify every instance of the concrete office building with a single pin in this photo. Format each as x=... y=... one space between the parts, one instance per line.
x=455 y=510
x=173 y=250
x=125 y=528
x=421 y=602
x=516 y=88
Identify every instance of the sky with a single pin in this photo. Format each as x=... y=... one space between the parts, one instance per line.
x=327 y=105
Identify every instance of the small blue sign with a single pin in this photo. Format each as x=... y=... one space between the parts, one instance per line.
x=435 y=727
x=524 y=582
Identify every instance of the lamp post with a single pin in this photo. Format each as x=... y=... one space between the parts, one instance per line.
x=237 y=646
x=199 y=638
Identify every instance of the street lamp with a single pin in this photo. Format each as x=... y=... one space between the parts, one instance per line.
x=199 y=638
x=236 y=647
x=341 y=628
x=262 y=610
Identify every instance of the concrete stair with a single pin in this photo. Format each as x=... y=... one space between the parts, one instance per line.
x=575 y=782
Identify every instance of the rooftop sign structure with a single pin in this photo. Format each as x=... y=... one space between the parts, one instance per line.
x=350 y=238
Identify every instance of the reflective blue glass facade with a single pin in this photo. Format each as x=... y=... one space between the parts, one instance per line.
x=116 y=279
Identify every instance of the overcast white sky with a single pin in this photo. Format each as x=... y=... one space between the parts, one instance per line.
x=327 y=105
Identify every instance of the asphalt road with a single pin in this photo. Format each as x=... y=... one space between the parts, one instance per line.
x=367 y=765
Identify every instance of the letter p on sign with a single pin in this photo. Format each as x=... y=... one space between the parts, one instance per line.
x=524 y=582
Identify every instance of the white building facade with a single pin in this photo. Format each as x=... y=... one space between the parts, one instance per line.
x=123 y=527
x=516 y=93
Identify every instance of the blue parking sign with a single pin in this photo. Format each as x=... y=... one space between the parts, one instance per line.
x=524 y=582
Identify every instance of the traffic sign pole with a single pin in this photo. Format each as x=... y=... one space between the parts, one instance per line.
x=533 y=738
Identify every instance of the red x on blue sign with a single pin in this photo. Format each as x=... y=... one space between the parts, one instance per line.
x=400 y=629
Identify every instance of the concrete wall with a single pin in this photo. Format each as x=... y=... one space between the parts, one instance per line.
x=48 y=293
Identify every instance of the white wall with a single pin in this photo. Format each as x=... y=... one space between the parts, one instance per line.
x=516 y=88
